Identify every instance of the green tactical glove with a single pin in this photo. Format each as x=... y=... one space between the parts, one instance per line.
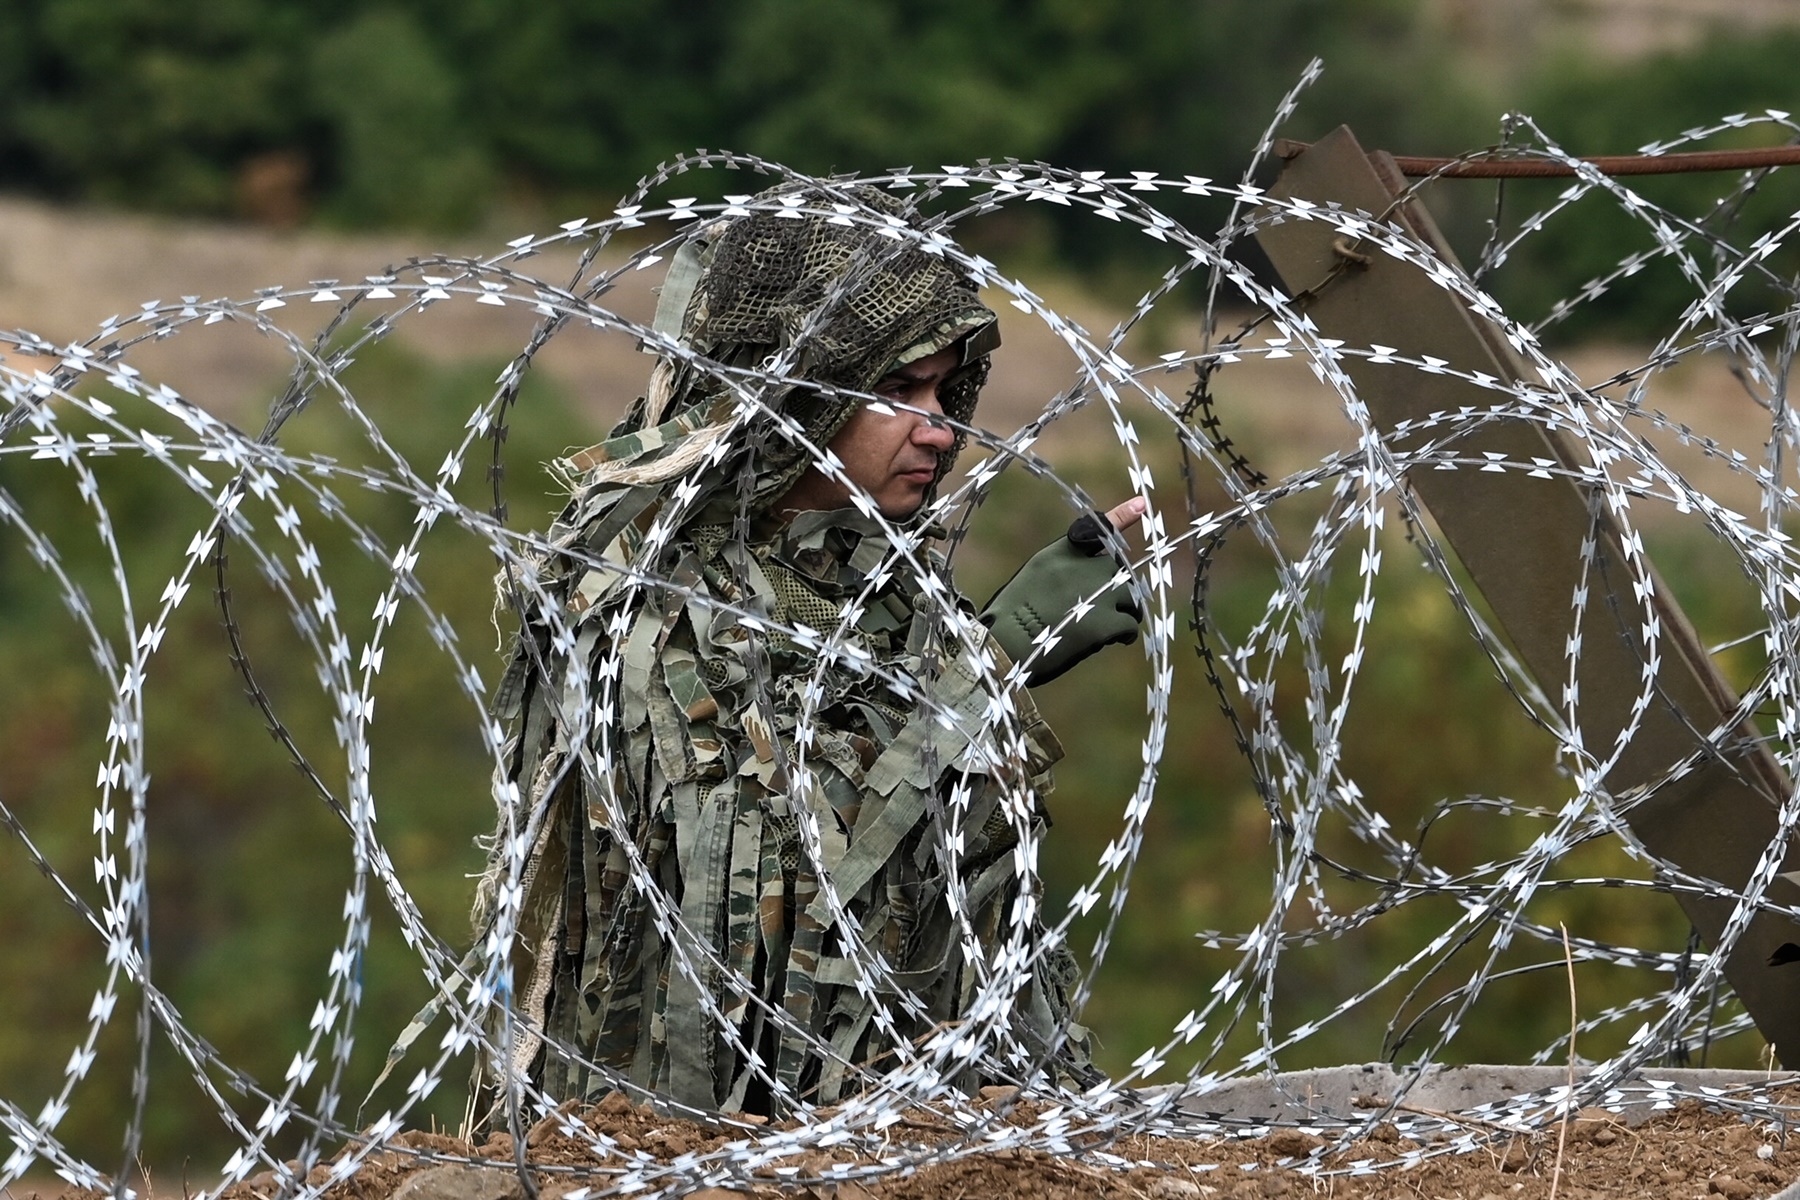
x=1071 y=571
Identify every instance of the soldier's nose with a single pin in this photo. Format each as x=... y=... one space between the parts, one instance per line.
x=934 y=434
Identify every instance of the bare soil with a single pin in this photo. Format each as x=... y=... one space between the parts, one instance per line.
x=1687 y=1152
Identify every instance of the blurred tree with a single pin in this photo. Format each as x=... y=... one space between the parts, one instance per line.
x=828 y=86
x=400 y=148
x=414 y=111
x=145 y=102
x=574 y=95
x=1589 y=108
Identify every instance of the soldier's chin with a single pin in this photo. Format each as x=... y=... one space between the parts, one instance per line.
x=904 y=508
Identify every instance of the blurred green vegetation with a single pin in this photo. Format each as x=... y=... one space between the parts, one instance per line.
x=248 y=866
x=1594 y=107
x=424 y=111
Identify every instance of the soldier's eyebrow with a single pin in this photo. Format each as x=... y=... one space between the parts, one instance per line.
x=912 y=372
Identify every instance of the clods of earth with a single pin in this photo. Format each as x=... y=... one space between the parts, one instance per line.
x=1686 y=1152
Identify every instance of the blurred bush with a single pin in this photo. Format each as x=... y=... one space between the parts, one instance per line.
x=422 y=112
x=248 y=864
x=1592 y=107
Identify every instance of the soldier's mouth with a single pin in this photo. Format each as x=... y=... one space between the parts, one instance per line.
x=925 y=471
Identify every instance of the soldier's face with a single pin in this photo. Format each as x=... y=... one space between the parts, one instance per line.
x=890 y=453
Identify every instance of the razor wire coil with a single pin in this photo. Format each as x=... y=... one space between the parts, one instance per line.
x=277 y=507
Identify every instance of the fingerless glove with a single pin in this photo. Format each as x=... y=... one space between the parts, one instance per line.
x=1071 y=572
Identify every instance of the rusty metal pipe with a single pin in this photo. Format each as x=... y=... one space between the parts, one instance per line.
x=1492 y=164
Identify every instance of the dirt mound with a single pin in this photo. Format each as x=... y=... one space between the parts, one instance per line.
x=1688 y=1151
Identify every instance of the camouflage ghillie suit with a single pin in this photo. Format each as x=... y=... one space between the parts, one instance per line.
x=677 y=722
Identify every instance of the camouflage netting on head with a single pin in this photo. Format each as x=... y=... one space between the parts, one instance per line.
x=849 y=297
x=771 y=812
x=831 y=289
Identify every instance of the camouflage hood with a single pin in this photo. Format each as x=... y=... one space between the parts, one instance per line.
x=823 y=294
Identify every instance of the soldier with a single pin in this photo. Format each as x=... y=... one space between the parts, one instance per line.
x=750 y=716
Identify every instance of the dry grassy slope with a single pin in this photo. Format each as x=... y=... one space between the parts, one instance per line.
x=1510 y=36
x=62 y=272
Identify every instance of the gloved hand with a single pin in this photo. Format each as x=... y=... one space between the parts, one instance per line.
x=1048 y=587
